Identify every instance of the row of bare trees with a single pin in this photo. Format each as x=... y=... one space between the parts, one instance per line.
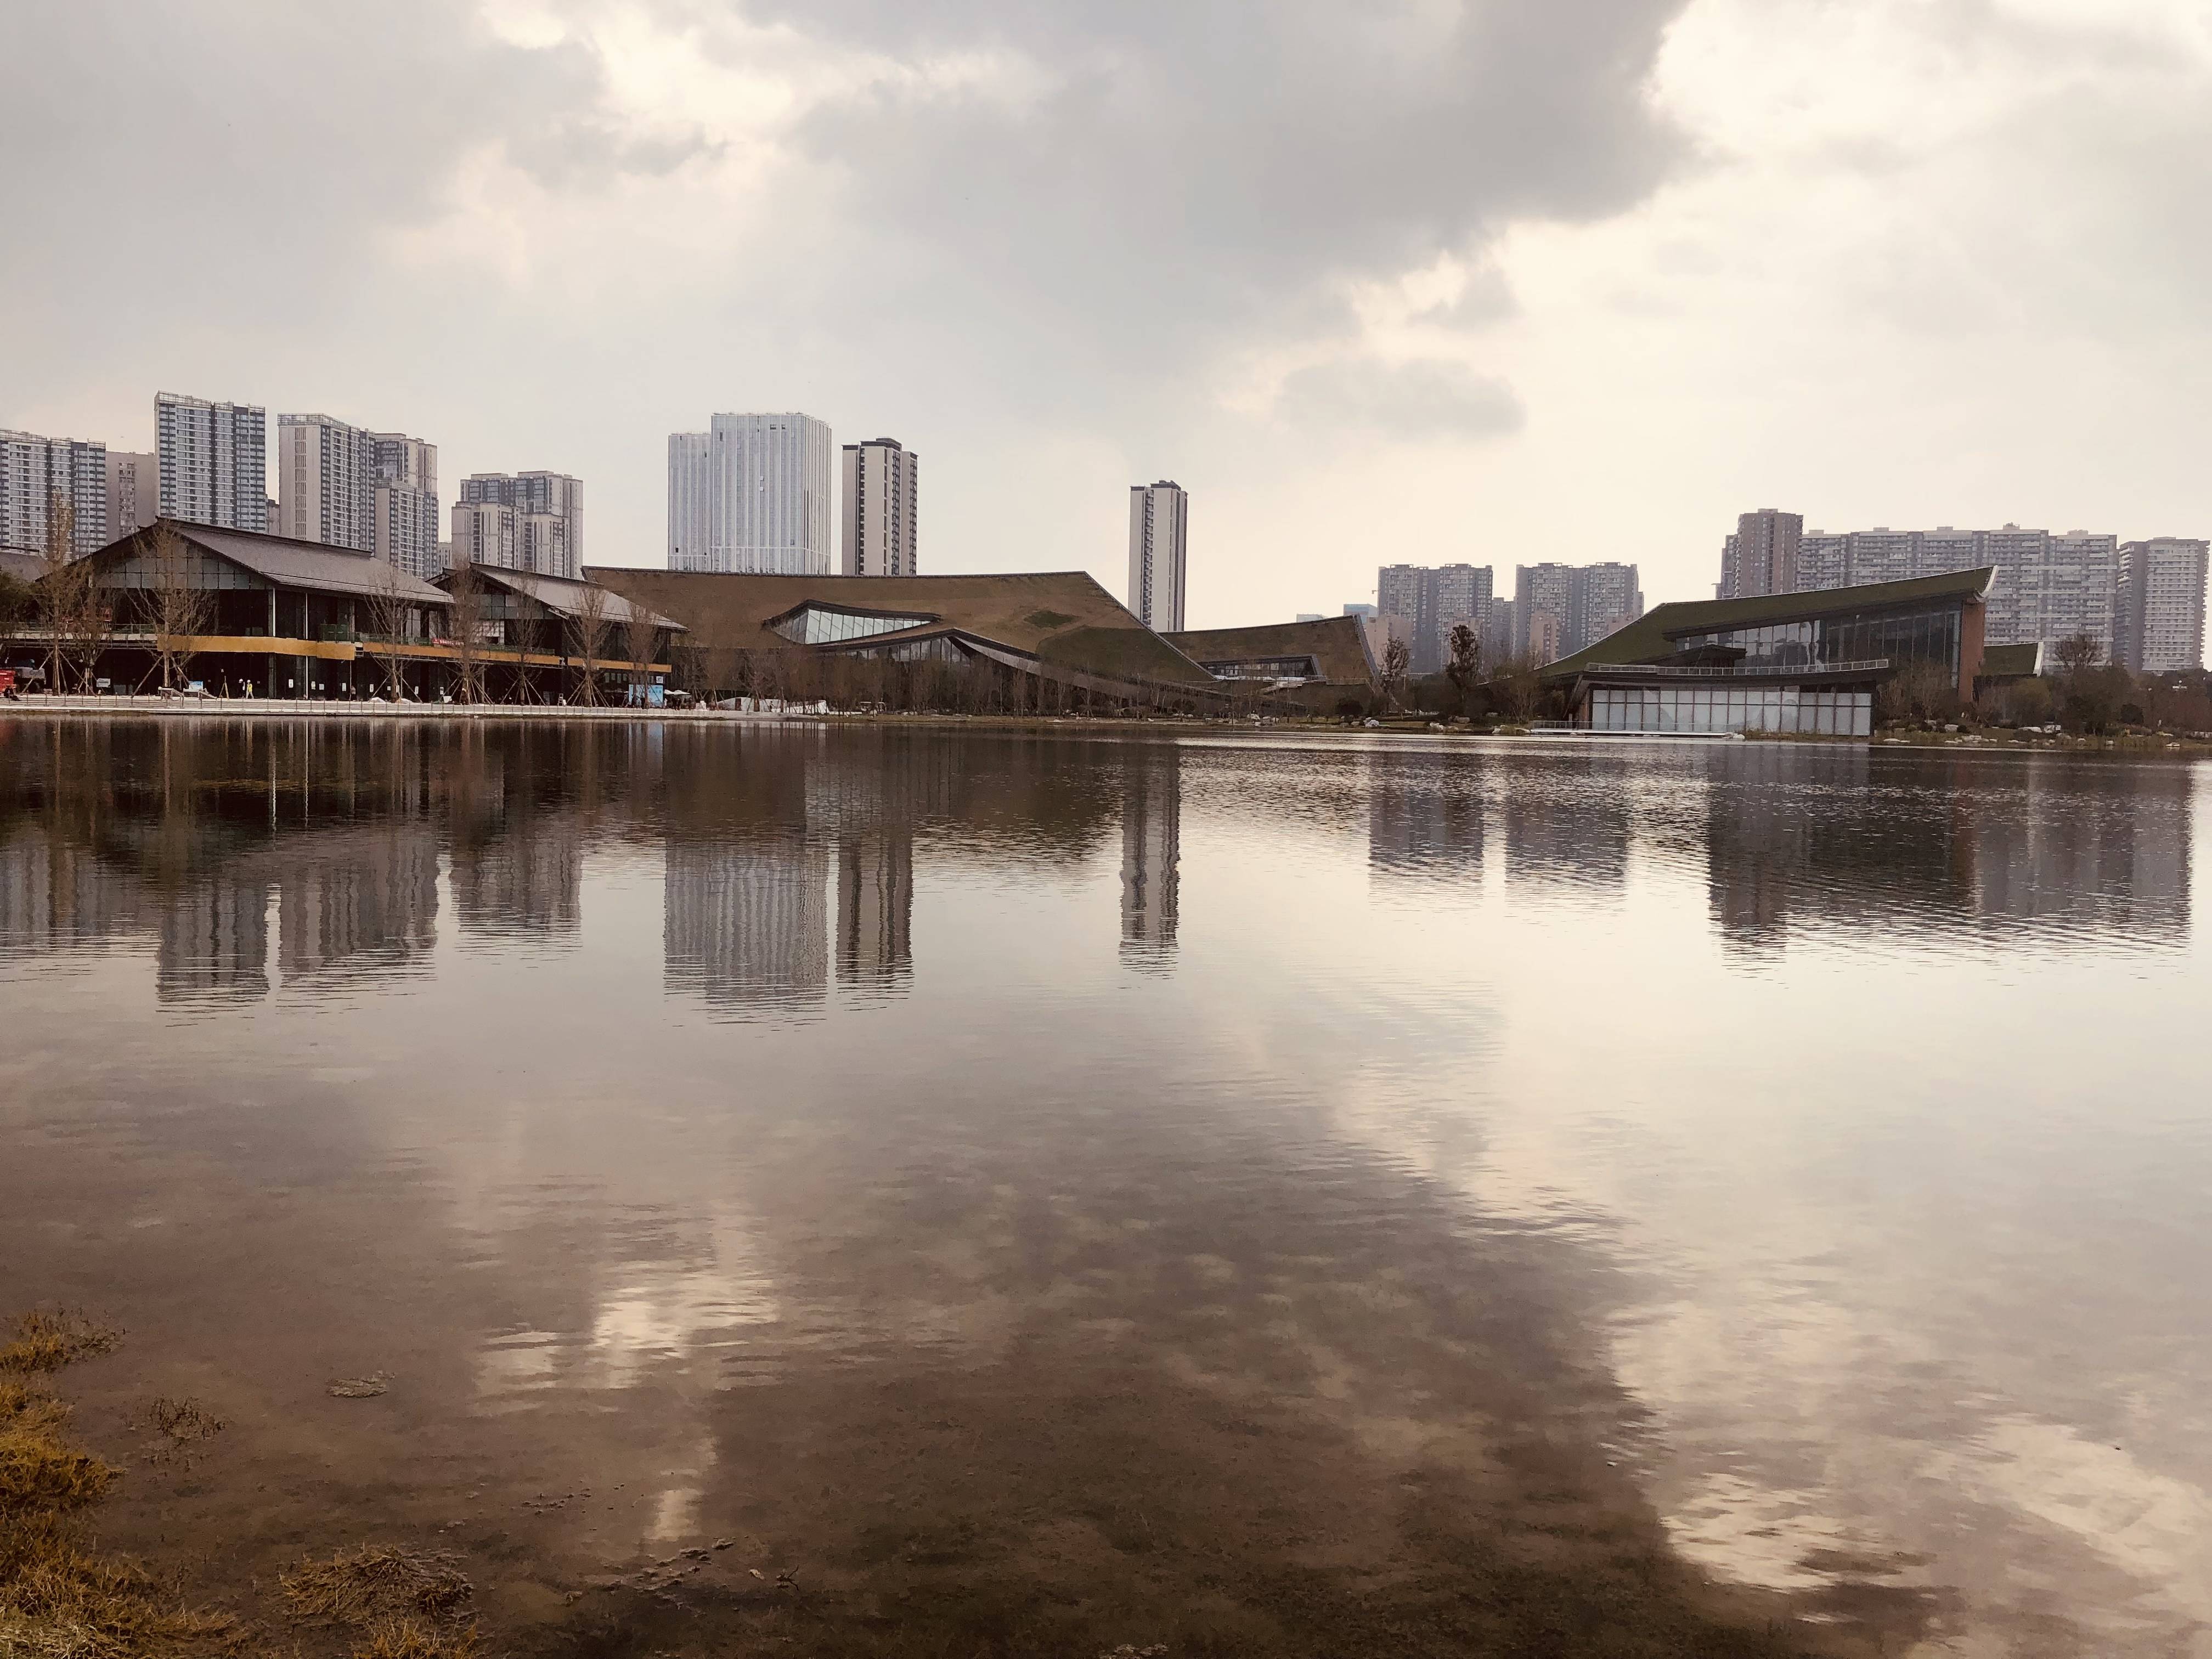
x=76 y=610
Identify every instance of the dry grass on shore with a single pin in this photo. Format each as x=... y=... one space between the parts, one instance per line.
x=58 y=1599
x=405 y=1604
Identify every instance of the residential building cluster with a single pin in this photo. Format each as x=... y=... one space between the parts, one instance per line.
x=1556 y=609
x=2141 y=602
x=337 y=484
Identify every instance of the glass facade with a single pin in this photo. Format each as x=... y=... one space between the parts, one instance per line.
x=1266 y=668
x=1712 y=707
x=936 y=649
x=818 y=625
x=1930 y=635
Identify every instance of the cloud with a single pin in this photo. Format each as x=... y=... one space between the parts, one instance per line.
x=1190 y=176
x=1419 y=401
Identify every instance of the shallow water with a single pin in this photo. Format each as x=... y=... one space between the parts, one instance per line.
x=760 y=1133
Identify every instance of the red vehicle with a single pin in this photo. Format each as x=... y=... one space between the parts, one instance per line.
x=7 y=682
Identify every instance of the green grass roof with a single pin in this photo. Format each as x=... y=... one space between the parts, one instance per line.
x=1650 y=637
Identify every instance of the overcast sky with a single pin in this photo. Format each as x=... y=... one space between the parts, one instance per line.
x=1495 y=281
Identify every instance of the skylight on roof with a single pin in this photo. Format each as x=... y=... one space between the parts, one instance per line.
x=817 y=624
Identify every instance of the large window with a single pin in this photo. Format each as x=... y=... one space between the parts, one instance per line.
x=1712 y=707
x=819 y=624
x=1930 y=635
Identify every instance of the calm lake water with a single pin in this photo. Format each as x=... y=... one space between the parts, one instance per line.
x=917 y=1157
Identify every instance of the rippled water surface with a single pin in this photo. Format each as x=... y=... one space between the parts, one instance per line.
x=760 y=1133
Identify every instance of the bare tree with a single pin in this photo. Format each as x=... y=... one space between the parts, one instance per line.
x=389 y=616
x=172 y=605
x=2077 y=652
x=1517 y=686
x=466 y=613
x=65 y=588
x=1397 y=658
x=1465 y=668
x=587 y=639
x=639 y=633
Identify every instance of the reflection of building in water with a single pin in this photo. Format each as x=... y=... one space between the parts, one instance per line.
x=356 y=901
x=1151 y=857
x=1780 y=829
x=875 y=908
x=1803 y=837
x=530 y=880
x=1568 y=821
x=1423 y=818
x=53 y=897
x=215 y=941
x=746 y=922
x=2110 y=851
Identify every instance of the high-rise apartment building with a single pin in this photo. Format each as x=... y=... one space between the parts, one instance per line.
x=2048 y=586
x=880 y=480
x=2051 y=587
x=752 y=493
x=1159 y=542
x=325 y=482
x=40 y=475
x=1761 y=557
x=1542 y=591
x=1423 y=604
x=484 y=533
x=407 y=524
x=1601 y=599
x=1405 y=597
x=527 y=495
x=541 y=544
x=690 y=500
x=1463 y=599
x=134 y=492
x=2162 y=604
x=215 y=462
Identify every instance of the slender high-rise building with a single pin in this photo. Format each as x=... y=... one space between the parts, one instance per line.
x=1159 y=538
x=1544 y=604
x=215 y=462
x=1761 y=557
x=484 y=533
x=1601 y=599
x=134 y=492
x=325 y=482
x=2161 y=607
x=880 y=480
x=529 y=494
x=40 y=475
x=690 y=500
x=407 y=521
x=752 y=493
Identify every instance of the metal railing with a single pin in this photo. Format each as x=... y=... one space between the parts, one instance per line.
x=1739 y=671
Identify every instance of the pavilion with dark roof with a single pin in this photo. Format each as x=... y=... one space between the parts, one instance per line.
x=1778 y=662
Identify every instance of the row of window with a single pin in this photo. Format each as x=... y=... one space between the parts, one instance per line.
x=817 y=625
x=1731 y=709
x=1929 y=636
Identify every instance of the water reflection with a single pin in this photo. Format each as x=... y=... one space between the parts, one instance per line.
x=1792 y=1130
x=1151 y=857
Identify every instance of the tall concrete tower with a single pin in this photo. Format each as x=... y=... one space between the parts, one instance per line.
x=1159 y=534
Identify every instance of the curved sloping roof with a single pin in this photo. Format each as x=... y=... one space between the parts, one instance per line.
x=1652 y=636
x=562 y=594
x=1338 y=644
x=2012 y=662
x=1060 y=618
x=285 y=562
